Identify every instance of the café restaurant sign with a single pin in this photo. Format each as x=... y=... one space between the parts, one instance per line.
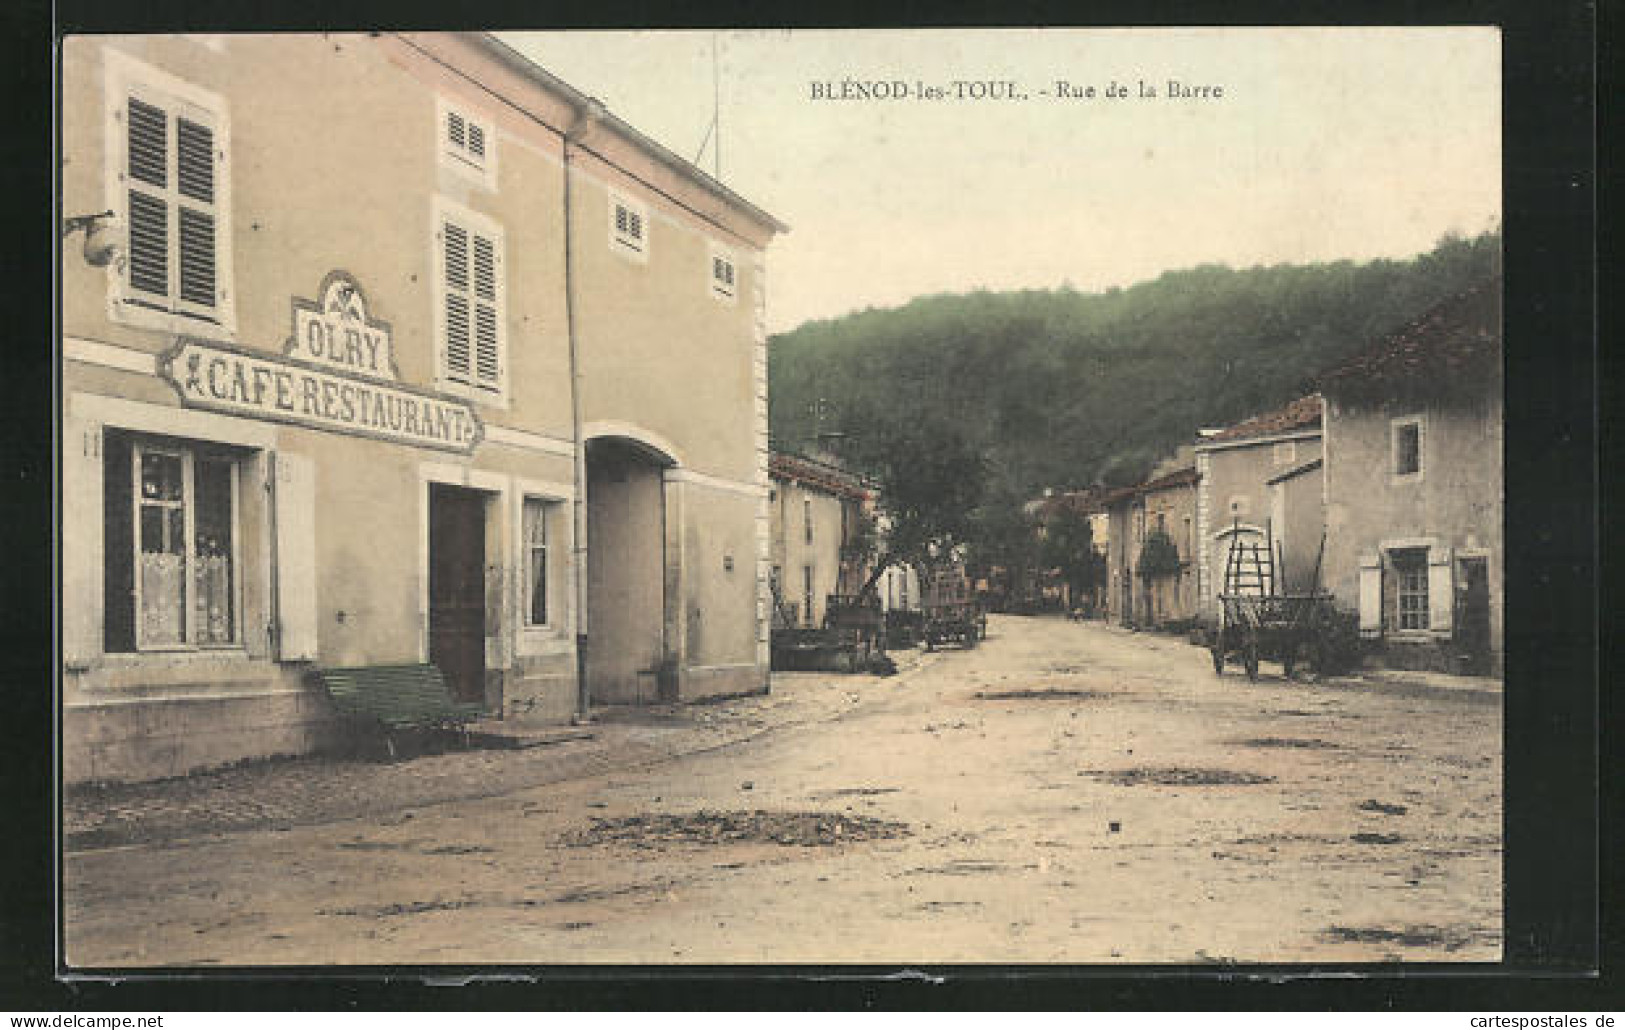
x=337 y=372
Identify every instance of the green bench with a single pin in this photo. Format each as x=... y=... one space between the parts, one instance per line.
x=397 y=697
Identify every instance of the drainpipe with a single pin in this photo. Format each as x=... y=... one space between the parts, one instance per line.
x=587 y=118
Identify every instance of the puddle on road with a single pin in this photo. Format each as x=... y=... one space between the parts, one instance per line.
x=1410 y=937
x=789 y=829
x=1174 y=776
x=1310 y=743
x=1047 y=694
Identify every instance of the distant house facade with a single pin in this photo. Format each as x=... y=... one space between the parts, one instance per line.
x=819 y=513
x=1414 y=487
x=1260 y=480
x=1158 y=589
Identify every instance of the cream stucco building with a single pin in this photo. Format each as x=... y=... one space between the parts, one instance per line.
x=385 y=349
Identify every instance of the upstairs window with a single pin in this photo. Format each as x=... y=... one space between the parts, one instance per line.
x=724 y=285
x=1284 y=453
x=470 y=302
x=467 y=142
x=168 y=148
x=1407 y=447
x=628 y=227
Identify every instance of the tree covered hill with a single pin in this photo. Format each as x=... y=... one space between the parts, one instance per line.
x=1062 y=388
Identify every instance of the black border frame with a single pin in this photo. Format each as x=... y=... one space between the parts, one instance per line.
x=1553 y=794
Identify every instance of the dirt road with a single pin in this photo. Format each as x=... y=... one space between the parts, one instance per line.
x=1064 y=793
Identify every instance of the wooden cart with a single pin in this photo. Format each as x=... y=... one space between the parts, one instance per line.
x=1257 y=621
x=949 y=610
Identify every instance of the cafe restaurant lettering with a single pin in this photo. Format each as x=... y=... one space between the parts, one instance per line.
x=337 y=373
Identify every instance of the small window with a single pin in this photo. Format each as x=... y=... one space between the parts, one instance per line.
x=171 y=541
x=628 y=227
x=535 y=556
x=724 y=278
x=466 y=142
x=806 y=518
x=1410 y=588
x=1407 y=447
x=470 y=305
x=1284 y=453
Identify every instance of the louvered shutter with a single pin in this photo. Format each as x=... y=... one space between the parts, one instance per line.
x=294 y=495
x=147 y=183
x=83 y=599
x=1441 y=591
x=1370 y=596
x=195 y=215
x=487 y=345
x=457 y=347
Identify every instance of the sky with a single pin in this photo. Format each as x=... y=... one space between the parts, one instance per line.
x=1325 y=144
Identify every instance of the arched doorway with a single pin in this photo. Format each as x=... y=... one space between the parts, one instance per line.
x=626 y=571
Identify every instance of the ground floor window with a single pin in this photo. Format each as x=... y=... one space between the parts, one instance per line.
x=806 y=595
x=170 y=544
x=535 y=530
x=1410 y=588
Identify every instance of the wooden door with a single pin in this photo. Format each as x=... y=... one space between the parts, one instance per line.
x=457 y=589
x=1472 y=616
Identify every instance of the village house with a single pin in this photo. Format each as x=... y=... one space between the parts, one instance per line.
x=1142 y=591
x=1413 y=487
x=820 y=514
x=1260 y=485
x=392 y=348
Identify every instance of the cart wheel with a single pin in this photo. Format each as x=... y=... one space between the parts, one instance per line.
x=1251 y=660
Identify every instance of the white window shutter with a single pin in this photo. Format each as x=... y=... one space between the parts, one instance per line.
x=82 y=543
x=295 y=500
x=1441 y=592
x=1371 y=596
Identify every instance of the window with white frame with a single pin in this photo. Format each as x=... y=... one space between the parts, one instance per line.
x=167 y=154
x=537 y=513
x=1406 y=447
x=171 y=544
x=1284 y=453
x=723 y=278
x=466 y=141
x=1410 y=565
x=469 y=274
x=628 y=227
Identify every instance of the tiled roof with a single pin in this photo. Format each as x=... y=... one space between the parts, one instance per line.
x=1458 y=336
x=1303 y=413
x=1178 y=477
x=820 y=475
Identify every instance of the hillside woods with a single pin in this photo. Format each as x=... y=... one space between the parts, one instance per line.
x=1061 y=388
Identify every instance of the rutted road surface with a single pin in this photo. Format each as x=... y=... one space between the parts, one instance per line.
x=1064 y=793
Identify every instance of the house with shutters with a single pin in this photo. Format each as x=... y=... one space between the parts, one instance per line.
x=1413 y=487
x=1260 y=485
x=392 y=348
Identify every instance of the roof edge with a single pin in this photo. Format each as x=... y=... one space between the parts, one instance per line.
x=518 y=62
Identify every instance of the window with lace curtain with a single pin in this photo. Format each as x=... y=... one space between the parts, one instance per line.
x=172 y=577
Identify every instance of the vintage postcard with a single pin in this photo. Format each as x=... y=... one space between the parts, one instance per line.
x=1022 y=496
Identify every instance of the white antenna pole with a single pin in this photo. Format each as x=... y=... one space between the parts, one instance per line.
x=716 y=110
